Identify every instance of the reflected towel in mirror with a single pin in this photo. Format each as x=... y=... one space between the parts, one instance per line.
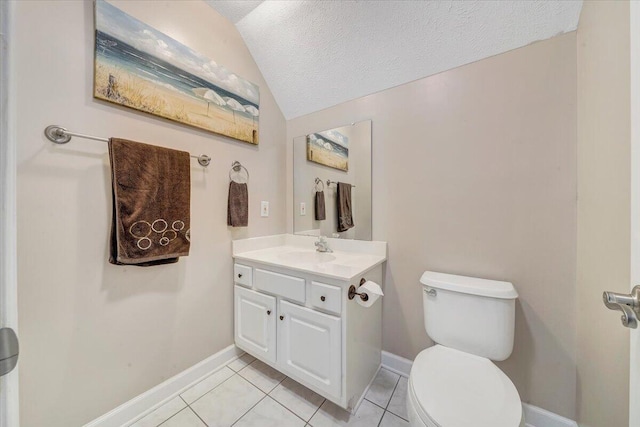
x=345 y=213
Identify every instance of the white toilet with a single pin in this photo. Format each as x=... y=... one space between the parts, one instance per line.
x=454 y=383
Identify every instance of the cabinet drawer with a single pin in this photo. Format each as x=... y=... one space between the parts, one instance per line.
x=280 y=284
x=242 y=275
x=326 y=297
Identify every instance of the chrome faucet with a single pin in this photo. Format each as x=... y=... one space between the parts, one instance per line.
x=322 y=245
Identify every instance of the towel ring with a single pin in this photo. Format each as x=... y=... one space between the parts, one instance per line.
x=236 y=166
x=319 y=181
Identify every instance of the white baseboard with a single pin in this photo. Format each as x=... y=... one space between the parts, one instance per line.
x=538 y=417
x=534 y=416
x=397 y=364
x=141 y=405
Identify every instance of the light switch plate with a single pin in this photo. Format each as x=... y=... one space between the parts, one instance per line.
x=264 y=209
x=303 y=208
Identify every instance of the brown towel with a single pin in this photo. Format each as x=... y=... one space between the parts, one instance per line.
x=238 y=205
x=319 y=205
x=345 y=216
x=151 y=203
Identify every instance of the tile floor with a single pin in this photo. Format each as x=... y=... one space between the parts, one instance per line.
x=248 y=393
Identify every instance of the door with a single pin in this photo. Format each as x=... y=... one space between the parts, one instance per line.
x=8 y=288
x=634 y=382
x=255 y=323
x=629 y=304
x=310 y=347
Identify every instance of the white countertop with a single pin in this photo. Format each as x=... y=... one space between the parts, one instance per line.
x=349 y=259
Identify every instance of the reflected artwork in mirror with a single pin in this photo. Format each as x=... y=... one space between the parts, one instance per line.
x=332 y=182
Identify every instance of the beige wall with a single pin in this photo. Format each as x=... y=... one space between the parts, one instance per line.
x=604 y=178
x=94 y=335
x=474 y=173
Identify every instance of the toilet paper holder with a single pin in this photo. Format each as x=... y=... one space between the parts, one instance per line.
x=353 y=291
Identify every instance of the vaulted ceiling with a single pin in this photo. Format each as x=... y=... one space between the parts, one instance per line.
x=316 y=53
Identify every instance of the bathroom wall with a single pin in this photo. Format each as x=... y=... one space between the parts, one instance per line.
x=94 y=335
x=604 y=180
x=474 y=173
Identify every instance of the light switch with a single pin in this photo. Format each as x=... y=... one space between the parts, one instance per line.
x=303 y=208
x=264 y=208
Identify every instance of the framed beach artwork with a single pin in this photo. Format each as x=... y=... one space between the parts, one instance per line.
x=329 y=148
x=141 y=68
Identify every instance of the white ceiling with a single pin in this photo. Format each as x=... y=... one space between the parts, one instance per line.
x=315 y=54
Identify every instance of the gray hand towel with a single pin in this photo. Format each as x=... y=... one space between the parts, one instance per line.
x=151 y=191
x=345 y=214
x=319 y=206
x=238 y=205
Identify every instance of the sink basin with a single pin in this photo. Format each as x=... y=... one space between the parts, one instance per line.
x=307 y=257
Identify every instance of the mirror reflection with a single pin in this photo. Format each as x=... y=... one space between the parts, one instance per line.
x=332 y=182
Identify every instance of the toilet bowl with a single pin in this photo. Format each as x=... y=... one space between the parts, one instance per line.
x=455 y=383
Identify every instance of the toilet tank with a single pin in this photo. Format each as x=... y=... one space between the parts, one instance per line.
x=473 y=315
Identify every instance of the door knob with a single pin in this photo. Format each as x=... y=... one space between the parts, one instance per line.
x=281 y=317
x=628 y=304
x=9 y=350
x=268 y=312
x=322 y=298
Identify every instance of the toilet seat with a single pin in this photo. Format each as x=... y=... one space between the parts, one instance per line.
x=450 y=388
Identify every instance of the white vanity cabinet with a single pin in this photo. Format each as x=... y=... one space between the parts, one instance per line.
x=304 y=325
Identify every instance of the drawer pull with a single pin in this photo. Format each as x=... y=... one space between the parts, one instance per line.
x=281 y=317
x=322 y=298
x=268 y=312
x=239 y=275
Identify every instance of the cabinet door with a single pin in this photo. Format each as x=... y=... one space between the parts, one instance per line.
x=255 y=323
x=310 y=347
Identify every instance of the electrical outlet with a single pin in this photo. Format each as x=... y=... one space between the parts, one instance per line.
x=303 y=208
x=264 y=208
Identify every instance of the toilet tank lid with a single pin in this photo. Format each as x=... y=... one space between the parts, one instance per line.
x=469 y=285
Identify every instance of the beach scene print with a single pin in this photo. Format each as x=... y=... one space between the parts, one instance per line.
x=329 y=148
x=139 y=67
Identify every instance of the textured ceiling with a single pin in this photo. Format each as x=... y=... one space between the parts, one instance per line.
x=316 y=54
x=234 y=10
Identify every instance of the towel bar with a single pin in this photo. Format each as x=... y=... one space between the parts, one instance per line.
x=59 y=135
x=329 y=182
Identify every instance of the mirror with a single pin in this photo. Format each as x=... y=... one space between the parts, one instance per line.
x=321 y=160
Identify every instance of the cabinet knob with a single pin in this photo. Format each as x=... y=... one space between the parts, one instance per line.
x=268 y=312
x=322 y=298
x=239 y=275
x=281 y=317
